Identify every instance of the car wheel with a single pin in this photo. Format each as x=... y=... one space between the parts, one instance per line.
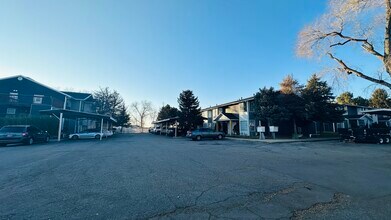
x=198 y=138
x=387 y=140
x=97 y=136
x=75 y=137
x=380 y=141
x=220 y=137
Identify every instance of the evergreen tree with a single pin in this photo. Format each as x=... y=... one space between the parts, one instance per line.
x=292 y=100
x=360 y=101
x=167 y=112
x=345 y=98
x=190 y=116
x=268 y=107
x=380 y=99
x=319 y=101
x=123 y=117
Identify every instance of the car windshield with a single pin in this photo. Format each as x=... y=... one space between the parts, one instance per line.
x=13 y=129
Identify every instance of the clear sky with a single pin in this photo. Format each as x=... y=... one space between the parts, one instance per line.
x=154 y=49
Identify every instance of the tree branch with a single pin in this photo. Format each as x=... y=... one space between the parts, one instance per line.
x=349 y=71
x=365 y=43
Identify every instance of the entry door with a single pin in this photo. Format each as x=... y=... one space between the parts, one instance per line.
x=225 y=127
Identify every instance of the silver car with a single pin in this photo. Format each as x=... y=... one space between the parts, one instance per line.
x=87 y=134
x=202 y=133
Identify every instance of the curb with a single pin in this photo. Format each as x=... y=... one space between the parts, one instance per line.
x=277 y=141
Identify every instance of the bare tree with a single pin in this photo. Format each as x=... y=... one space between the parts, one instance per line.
x=140 y=112
x=153 y=115
x=346 y=24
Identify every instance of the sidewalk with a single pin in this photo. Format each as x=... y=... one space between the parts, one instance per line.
x=274 y=141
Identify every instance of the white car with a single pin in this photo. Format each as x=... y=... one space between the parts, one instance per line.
x=88 y=134
x=107 y=133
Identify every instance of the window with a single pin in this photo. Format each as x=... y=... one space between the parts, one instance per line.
x=11 y=111
x=209 y=114
x=243 y=126
x=252 y=125
x=14 y=96
x=251 y=106
x=37 y=99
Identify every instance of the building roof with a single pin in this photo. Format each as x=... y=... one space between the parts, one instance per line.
x=21 y=77
x=79 y=95
x=356 y=117
x=380 y=111
x=227 y=117
x=229 y=103
x=359 y=106
x=76 y=114
x=168 y=120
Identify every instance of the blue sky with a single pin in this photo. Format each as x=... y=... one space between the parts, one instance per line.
x=154 y=49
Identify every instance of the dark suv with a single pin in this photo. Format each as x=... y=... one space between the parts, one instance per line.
x=25 y=134
x=202 y=133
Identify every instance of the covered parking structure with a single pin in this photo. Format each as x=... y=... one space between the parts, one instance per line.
x=62 y=114
x=167 y=122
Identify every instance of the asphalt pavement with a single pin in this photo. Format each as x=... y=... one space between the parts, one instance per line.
x=146 y=176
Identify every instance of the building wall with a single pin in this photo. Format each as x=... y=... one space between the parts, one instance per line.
x=26 y=97
x=240 y=108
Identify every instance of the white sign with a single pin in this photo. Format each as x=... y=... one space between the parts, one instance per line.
x=273 y=128
x=261 y=129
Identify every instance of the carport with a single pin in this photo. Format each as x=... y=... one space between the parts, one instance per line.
x=70 y=114
x=167 y=122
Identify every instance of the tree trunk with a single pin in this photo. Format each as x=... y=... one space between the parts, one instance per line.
x=294 y=127
x=387 y=38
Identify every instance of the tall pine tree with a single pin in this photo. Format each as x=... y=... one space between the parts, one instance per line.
x=167 y=112
x=123 y=117
x=319 y=101
x=268 y=106
x=292 y=101
x=190 y=116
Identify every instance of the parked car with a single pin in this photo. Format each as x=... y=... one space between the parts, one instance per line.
x=202 y=133
x=171 y=132
x=156 y=130
x=87 y=134
x=108 y=133
x=25 y=134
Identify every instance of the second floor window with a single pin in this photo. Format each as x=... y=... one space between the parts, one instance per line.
x=37 y=99
x=14 y=97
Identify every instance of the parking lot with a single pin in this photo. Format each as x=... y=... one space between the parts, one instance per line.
x=147 y=176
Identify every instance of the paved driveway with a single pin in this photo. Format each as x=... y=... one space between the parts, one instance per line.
x=147 y=176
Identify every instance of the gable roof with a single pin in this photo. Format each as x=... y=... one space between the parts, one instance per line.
x=226 y=117
x=230 y=103
x=31 y=80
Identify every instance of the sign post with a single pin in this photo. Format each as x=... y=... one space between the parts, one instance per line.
x=261 y=130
